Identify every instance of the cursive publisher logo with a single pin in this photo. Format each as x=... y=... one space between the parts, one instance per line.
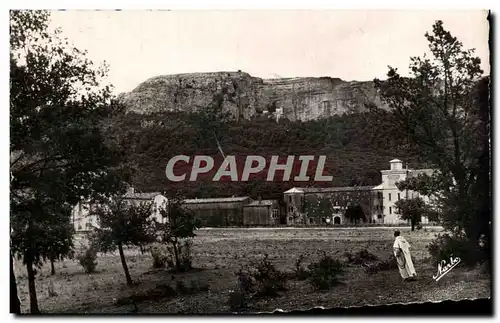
x=444 y=267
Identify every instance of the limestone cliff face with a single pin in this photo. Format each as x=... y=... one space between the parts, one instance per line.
x=246 y=96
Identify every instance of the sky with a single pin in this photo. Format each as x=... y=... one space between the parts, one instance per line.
x=351 y=45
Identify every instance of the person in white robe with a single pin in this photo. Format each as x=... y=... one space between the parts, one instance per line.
x=403 y=257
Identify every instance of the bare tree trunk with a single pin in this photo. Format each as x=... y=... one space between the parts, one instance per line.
x=31 y=285
x=176 y=254
x=52 y=267
x=124 y=264
x=15 y=304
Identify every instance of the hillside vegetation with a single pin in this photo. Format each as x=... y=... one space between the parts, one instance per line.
x=356 y=146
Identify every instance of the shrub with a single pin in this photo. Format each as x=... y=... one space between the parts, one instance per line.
x=181 y=288
x=324 y=273
x=360 y=257
x=446 y=246
x=387 y=264
x=237 y=301
x=185 y=256
x=247 y=287
x=270 y=280
x=159 y=258
x=300 y=272
x=88 y=260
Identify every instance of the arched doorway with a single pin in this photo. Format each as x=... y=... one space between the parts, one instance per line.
x=336 y=220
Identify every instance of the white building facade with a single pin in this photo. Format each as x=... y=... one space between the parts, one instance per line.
x=391 y=194
x=84 y=218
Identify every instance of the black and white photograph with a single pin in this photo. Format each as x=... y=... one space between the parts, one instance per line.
x=236 y=162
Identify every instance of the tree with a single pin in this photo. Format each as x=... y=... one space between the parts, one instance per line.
x=446 y=119
x=411 y=210
x=121 y=223
x=179 y=223
x=58 y=154
x=355 y=213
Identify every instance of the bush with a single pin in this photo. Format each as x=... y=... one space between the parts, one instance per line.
x=247 y=287
x=88 y=260
x=446 y=246
x=387 y=264
x=324 y=273
x=360 y=257
x=159 y=258
x=300 y=272
x=185 y=256
x=237 y=301
x=159 y=292
x=270 y=280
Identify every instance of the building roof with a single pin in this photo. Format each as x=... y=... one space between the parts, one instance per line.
x=216 y=200
x=140 y=196
x=261 y=203
x=395 y=161
x=329 y=189
x=379 y=187
x=295 y=190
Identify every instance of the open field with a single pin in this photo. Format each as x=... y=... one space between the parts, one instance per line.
x=219 y=253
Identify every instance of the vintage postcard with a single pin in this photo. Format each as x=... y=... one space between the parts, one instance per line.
x=248 y=161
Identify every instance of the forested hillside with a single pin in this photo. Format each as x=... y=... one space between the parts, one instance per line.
x=357 y=147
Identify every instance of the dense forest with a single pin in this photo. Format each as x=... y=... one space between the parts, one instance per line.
x=356 y=146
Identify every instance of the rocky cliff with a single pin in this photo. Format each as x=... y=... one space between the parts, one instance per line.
x=247 y=96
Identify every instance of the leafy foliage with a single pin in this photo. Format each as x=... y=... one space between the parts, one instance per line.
x=446 y=246
x=411 y=210
x=270 y=281
x=355 y=213
x=122 y=223
x=179 y=224
x=324 y=274
x=443 y=109
x=58 y=154
x=87 y=260
x=354 y=147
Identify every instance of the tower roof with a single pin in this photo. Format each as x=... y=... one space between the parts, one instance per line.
x=395 y=161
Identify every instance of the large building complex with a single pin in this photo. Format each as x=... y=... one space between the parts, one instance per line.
x=378 y=203
x=305 y=206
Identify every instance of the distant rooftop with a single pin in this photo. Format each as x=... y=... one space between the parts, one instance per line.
x=216 y=200
x=329 y=189
x=140 y=196
x=261 y=203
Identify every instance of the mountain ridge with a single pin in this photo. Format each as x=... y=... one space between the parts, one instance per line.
x=246 y=96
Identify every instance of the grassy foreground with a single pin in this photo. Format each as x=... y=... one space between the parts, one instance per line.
x=219 y=253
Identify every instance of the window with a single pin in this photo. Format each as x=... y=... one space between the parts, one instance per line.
x=275 y=214
x=290 y=198
x=390 y=195
x=399 y=196
x=390 y=209
x=88 y=225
